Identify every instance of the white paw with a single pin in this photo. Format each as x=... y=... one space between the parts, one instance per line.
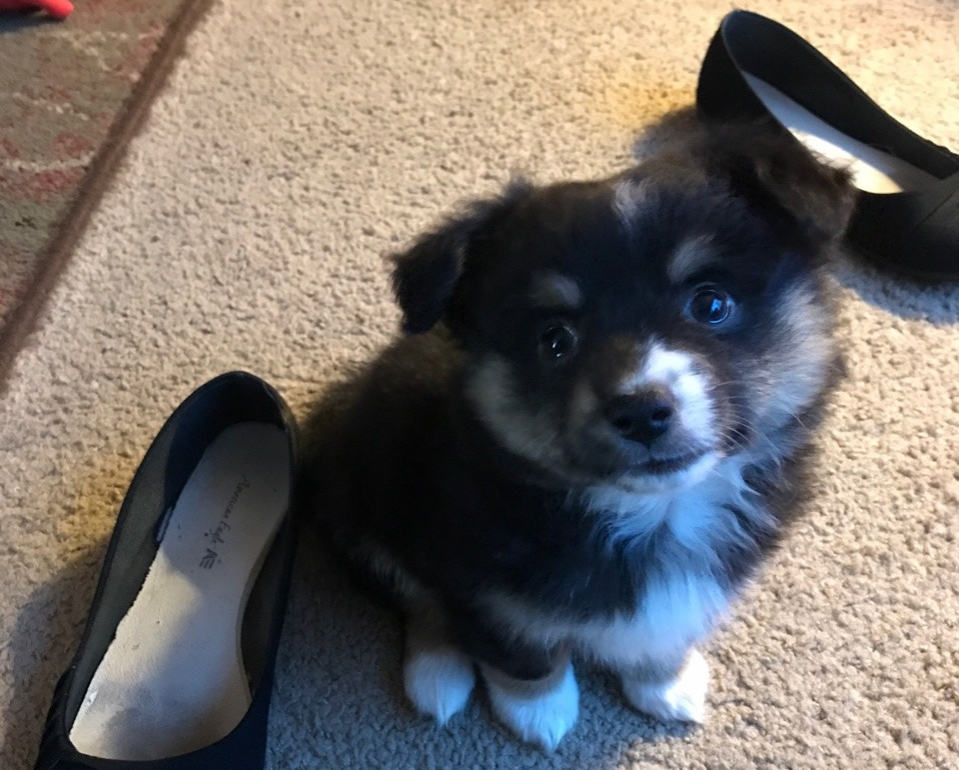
x=438 y=681
x=543 y=718
x=682 y=699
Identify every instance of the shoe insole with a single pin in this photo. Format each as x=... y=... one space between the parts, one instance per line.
x=873 y=170
x=173 y=680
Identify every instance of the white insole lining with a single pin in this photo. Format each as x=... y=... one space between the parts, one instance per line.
x=173 y=679
x=873 y=170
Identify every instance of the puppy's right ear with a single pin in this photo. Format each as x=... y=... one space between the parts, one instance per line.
x=425 y=277
x=782 y=180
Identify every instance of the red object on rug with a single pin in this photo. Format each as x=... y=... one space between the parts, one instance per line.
x=58 y=9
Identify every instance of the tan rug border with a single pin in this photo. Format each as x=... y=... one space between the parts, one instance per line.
x=55 y=255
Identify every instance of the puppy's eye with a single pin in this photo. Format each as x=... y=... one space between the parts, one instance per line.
x=710 y=305
x=557 y=341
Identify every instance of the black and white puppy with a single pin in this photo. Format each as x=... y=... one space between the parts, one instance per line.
x=579 y=449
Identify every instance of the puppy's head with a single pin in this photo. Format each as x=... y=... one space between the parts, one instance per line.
x=639 y=329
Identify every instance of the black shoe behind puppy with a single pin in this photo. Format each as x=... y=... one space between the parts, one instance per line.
x=579 y=449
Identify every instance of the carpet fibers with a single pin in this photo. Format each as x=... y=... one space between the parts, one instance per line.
x=71 y=95
x=298 y=142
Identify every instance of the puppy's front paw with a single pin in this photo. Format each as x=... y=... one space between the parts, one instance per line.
x=681 y=699
x=540 y=715
x=438 y=681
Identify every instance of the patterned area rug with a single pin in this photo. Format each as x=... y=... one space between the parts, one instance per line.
x=71 y=95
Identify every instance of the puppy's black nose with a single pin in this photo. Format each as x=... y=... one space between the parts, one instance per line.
x=644 y=416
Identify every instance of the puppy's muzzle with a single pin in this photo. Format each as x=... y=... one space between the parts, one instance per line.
x=643 y=416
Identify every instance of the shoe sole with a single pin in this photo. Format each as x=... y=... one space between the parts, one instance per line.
x=173 y=679
x=873 y=170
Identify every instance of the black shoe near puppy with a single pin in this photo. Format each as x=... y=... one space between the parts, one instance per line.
x=585 y=444
x=907 y=217
x=175 y=668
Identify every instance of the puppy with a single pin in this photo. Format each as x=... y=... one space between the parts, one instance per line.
x=579 y=449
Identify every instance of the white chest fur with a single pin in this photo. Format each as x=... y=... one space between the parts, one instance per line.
x=676 y=610
x=684 y=592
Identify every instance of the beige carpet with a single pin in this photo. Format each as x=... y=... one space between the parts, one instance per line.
x=295 y=144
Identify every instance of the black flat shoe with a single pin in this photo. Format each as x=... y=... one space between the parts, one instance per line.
x=907 y=217
x=175 y=667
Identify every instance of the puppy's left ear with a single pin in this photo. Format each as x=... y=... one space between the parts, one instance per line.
x=783 y=181
x=426 y=276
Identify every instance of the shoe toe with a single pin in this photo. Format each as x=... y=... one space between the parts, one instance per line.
x=914 y=233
